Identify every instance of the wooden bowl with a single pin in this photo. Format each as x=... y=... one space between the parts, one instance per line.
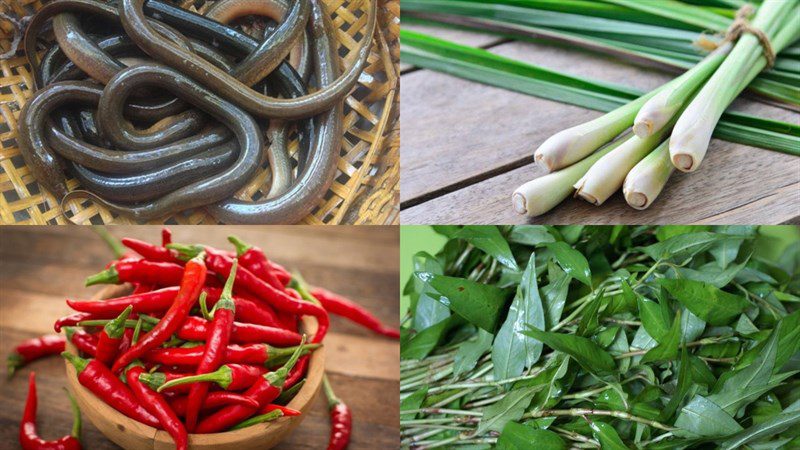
x=133 y=435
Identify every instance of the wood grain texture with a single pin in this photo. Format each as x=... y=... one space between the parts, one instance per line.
x=40 y=266
x=467 y=146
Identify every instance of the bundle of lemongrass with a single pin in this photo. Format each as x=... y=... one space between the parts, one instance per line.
x=671 y=126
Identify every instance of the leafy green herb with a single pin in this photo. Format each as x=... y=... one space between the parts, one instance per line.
x=669 y=345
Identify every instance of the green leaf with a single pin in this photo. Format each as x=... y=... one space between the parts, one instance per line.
x=530 y=235
x=489 y=239
x=572 y=261
x=412 y=403
x=685 y=245
x=712 y=274
x=607 y=436
x=513 y=351
x=788 y=418
x=741 y=387
x=554 y=295
x=516 y=436
x=470 y=351
x=509 y=409
x=422 y=343
x=653 y=318
x=704 y=418
x=480 y=304
x=427 y=311
x=707 y=302
x=588 y=354
x=682 y=388
x=669 y=346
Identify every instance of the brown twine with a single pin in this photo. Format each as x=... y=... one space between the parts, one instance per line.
x=741 y=25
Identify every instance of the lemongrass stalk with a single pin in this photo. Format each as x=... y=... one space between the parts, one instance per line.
x=542 y=194
x=692 y=132
x=607 y=175
x=573 y=144
x=660 y=109
x=646 y=180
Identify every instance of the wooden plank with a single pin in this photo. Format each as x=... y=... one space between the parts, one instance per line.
x=39 y=266
x=467 y=136
x=688 y=198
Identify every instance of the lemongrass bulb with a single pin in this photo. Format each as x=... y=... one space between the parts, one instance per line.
x=542 y=194
x=607 y=175
x=574 y=144
x=656 y=113
x=646 y=180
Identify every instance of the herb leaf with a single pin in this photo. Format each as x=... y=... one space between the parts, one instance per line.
x=707 y=302
x=572 y=261
x=489 y=239
x=513 y=351
x=588 y=354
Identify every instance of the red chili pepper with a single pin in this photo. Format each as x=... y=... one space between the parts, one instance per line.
x=231 y=377
x=213 y=400
x=141 y=271
x=151 y=252
x=281 y=273
x=286 y=411
x=266 y=389
x=341 y=418
x=96 y=377
x=261 y=354
x=348 y=309
x=83 y=341
x=149 y=302
x=157 y=405
x=110 y=338
x=253 y=259
x=28 y=437
x=196 y=329
x=219 y=334
x=141 y=288
x=76 y=318
x=191 y=284
x=33 y=349
x=166 y=237
x=297 y=373
x=278 y=299
x=249 y=310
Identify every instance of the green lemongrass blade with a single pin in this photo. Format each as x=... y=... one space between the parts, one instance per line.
x=519 y=83
x=598 y=9
x=734 y=127
x=549 y=19
x=682 y=12
x=663 y=50
x=440 y=47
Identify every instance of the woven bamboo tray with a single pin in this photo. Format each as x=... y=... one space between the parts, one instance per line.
x=366 y=187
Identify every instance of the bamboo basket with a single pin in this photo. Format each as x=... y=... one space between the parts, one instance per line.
x=366 y=187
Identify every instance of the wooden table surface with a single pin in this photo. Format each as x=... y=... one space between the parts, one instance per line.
x=466 y=147
x=41 y=266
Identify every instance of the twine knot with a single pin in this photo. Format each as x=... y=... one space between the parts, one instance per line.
x=741 y=25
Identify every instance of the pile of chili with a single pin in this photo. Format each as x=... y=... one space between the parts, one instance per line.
x=185 y=368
